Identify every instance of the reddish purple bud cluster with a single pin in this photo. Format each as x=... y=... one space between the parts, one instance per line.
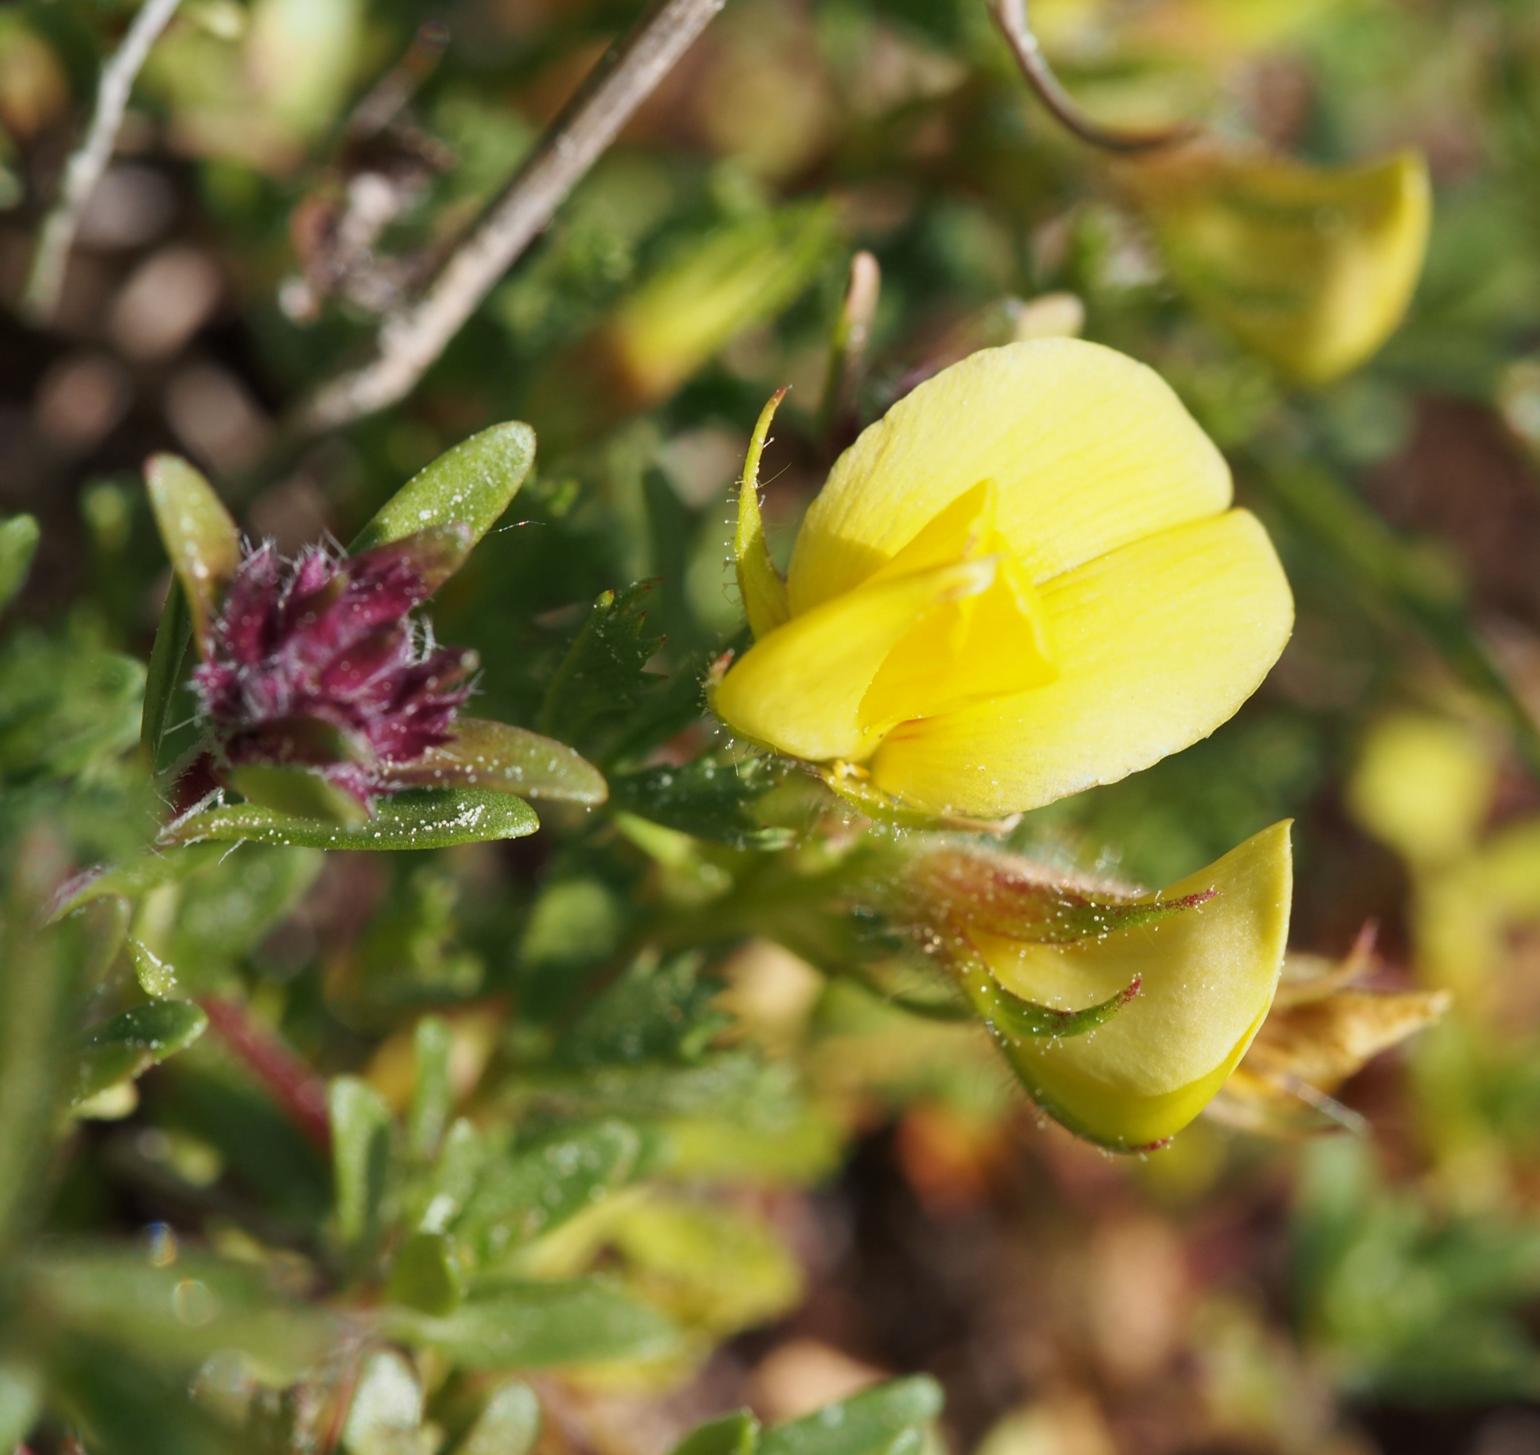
x=318 y=662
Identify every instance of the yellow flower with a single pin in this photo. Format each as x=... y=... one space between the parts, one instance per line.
x=1023 y=581
x=1146 y=1016
x=1313 y=267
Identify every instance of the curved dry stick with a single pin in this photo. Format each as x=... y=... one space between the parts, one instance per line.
x=1011 y=17
x=409 y=343
x=90 y=158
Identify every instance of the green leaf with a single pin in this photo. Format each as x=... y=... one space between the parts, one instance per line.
x=601 y=683
x=172 y=634
x=40 y=979
x=432 y=1090
x=20 y=1399
x=543 y=1184
x=361 y=1128
x=524 y=1325
x=509 y=1423
x=866 y=1424
x=468 y=487
x=654 y=1012
x=18 y=544
x=297 y=793
x=175 y=1316
x=65 y=704
x=511 y=759
x=200 y=538
x=712 y=797
x=120 y=1402
x=130 y=1043
x=423 y=819
x=709 y=1266
x=156 y=977
x=426 y=1274
x=386 y=1408
x=734 y=1434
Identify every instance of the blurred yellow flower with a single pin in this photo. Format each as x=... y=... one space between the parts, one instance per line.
x=1123 y=1015
x=1023 y=581
x=1313 y=267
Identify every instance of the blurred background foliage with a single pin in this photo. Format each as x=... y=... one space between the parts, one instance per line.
x=524 y=1146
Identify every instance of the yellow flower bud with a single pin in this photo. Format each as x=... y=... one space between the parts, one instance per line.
x=1023 y=581
x=1313 y=267
x=1125 y=1033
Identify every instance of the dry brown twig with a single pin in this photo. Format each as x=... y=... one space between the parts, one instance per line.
x=1011 y=18
x=89 y=160
x=410 y=342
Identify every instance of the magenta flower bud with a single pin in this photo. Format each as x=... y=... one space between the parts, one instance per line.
x=318 y=662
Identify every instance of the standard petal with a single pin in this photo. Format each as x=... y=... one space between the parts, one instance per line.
x=799 y=688
x=1088 y=450
x=1206 y=981
x=1156 y=645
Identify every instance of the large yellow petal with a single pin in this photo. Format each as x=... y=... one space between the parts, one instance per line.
x=1087 y=449
x=979 y=646
x=1207 y=977
x=799 y=688
x=1156 y=645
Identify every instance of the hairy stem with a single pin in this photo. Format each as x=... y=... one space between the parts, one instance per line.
x=41 y=295
x=410 y=342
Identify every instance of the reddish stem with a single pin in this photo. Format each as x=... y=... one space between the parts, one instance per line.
x=287 y=1079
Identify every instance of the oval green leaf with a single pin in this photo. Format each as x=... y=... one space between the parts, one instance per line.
x=510 y=758
x=418 y=820
x=467 y=487
x=200 y=538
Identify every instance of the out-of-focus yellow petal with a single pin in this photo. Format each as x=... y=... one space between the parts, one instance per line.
x=1207 y=977
x=799 y=688
x=1313 y=267
x=1156 y=645
x=1087 y=449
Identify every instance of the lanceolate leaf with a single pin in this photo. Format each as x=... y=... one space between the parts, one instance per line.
x=864 y=1425
x=18 y=544
x=129 y=1044
x=297 y=793
x=513 y=759
x=165 y=672
x=544 y=1184
x=419 y=820
x=361 y=1145
x=467 y=487
x=734 y=1434
x=200 y=538
x=526 y=1325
